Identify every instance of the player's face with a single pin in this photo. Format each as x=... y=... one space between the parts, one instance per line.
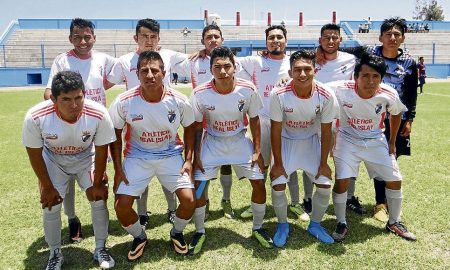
x=222 y=69
x=150 y=74
x=276 y=42
x=212 y=40
x=368 y=81
x=147 y=40
x=302 y=72
x=330 y=41
x=392 y=39
x=69 y=105
x=82 y=40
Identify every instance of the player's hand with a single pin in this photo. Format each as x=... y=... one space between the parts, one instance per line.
x=392 y=149
x=406 y=130
x=198 y=165
x=320 y=57
x=277 y=171
x=257 y=158
x=188 y=168
x=99 y=192
x=119 y=176
x=50 y=197
x=324 y=170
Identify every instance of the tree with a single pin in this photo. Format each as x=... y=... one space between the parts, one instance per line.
x=428 y=10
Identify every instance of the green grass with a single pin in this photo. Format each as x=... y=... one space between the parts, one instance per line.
x=228 y=245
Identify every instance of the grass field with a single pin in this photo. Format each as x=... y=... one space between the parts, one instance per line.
x=229 y=245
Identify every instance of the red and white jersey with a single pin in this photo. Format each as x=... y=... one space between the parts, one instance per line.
x=338 y=69
x=301 y=117
x=126 y=67
x=70 y=145
x=266 y=73
x=361 y=118
x=224 y=113
x=151 y=127
x=94 y=72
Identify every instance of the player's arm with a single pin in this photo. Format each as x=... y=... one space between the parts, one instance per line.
x=116 y=155
x=49 y=195
x=394 y=121
x=409 y=98
x=198 y=132
x=325 y=143
x=255 y=128
x=277 y=168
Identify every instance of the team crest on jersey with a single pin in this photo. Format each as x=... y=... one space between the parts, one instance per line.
x=348 y=105
x=288 y=110
x=343 y=69
x=265 y=69
x=241 y=104
x=171 y=116
x=378 y=108
x=85 y=136
x=49 y=136
x=210 y=107
x=317 y=109
x=202 y=72
x=100 y=69
x=136 y=117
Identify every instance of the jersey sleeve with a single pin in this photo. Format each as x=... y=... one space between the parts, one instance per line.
x=276 y=111
x=395 y=105
x=116 y=75
x=52 y=74
x=197 y=109
x=105 y=131
x=31 y=133
x=187 y=113
x=247 y=66
x=255 y=104
x=409 y=97
x=182 y=68
x=176 y=58
x=117 y=114
x=330 y=109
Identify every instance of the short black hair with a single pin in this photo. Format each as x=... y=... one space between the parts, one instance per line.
x=273 y=27
x=211 y=27
x=66 y=81
x=330 y=26
x=390 y=23
x=150 y=55
x=221 y=52
x=373 y=61
x=81 y=23
x=150 y=24
x=303 y=53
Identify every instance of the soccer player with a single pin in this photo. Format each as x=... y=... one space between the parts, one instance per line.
x=223 y=102
x=94 y=67
x=300 y=111
x=364 y=104
x=147 y=39
x=61 y=136
x=422 y=73
x=152 y=113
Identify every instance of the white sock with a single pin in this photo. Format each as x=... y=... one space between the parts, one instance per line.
x=199 y=219
x=308 y=186
x=69 y=200
x=394 y=201
x=141 y=203
x=179 y=224
x=259 y=210
x=279 y=202
x=320 y=201
x=171 y=199
x=100 y=222
x=52 y=227
x=351 y=188
x=226 y=182
x=136 y=230
x=294 y=188
x=339 y=202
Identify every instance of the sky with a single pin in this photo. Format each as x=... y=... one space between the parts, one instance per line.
x=318 y=11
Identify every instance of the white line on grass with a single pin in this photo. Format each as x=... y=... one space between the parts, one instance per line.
x=439 y=95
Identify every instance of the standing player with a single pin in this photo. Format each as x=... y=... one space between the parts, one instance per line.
x=422 y=73
x=299 y=112
x=61 y=136
x=147 y=39
x=152 y=113
x=94 y=67
x=364 y=104
x=224 y=102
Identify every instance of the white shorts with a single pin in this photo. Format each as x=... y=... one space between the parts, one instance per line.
x=241 y=170
x=266 y=147
x=303 y=155
x=375 y=155
x=139 y=172
x=60 y=179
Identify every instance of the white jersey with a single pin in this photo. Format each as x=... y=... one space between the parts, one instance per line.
x=151 y=127
x=338 y=69
x=224 y=113
x=94 y=72
x=360 y=118
x=301 y=117
x=266 y=73
x=70 y=145
x=126 y=67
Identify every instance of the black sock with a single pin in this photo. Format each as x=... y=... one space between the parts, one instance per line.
x=380 y=193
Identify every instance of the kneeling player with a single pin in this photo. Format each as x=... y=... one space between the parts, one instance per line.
x=223 y=102
x=363 y=107
x=299 y=112
x=60 y=135
x=152 y=114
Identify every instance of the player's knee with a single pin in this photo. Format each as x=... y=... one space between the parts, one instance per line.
x=279 y=187
x=323 y=186
x=394 y=185
x=340 y=186
x=122 y=204
x=259 y=186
